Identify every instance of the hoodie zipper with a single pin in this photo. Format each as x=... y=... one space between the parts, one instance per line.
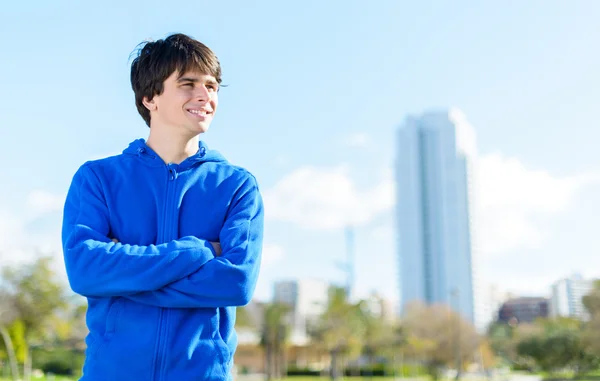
x=165 y=235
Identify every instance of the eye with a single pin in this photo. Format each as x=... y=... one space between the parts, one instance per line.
x=189 y=84
x=212 y=87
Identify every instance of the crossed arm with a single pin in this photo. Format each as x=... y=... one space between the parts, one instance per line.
x=185 y=273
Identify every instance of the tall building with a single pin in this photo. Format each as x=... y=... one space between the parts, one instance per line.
x=567 y=297
x=434 y=165
x=307 y=299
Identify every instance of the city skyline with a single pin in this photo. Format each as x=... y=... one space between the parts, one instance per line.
x=312 y=112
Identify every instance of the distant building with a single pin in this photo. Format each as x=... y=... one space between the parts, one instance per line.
x=307 y=298
x=567 y=297
x=435 y=156
x=523 y=310
x=491 y=300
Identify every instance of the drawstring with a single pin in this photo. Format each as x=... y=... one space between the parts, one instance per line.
x=142 y=151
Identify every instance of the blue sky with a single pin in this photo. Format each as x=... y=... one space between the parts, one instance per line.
x=316 y=91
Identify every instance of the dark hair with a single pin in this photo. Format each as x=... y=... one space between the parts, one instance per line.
x=155 y=61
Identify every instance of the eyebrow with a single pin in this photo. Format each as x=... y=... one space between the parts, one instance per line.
x=196 y=80
x=188 y=79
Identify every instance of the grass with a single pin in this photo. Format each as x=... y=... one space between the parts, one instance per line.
x=298 y=378
x=55 y=378
x=315 y=378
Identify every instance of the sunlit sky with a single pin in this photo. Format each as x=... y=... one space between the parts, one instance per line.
x=316 y=91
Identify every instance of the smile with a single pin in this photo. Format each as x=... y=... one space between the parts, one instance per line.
x=198 y=112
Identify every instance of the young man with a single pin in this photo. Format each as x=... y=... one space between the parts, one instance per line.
x=164 y=240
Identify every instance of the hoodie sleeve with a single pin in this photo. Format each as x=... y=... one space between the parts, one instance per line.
x=227 y=280
x=98 y=267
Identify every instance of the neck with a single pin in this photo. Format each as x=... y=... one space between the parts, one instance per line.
x=172 y=147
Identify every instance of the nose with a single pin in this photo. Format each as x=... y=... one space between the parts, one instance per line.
x=202 y=94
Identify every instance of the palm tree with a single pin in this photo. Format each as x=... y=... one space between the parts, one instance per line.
x=338 y=329
x=273 y=338
x=7 y=315
x=379 y=335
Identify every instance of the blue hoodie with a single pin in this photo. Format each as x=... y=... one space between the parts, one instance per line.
x=161 y=304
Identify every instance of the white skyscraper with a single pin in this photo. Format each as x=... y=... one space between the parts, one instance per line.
x=567 y=297
x=434 y=165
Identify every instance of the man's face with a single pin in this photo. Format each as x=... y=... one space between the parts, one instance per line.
x=187 y=103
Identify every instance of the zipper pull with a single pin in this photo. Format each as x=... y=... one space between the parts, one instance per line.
x=172 y=173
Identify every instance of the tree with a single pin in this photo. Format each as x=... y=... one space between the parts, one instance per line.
x=339 y=330
x=379 y=336
x=488 y=360
x=8 y=317
x=68 y=326
x=591 y=301
x=559 y=344
x=439 y=335
x=243 y=319
x=37 y=294
x=273 y=338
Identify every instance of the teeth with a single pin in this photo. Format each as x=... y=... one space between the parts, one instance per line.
x=198 y=112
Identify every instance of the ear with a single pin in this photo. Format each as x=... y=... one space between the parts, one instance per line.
x=150 y=104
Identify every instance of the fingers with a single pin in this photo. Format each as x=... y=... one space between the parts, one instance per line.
x=217 y=247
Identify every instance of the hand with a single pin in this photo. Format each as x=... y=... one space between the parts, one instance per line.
x=217 y=247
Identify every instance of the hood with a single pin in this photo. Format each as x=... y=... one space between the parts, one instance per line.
x=145 y=153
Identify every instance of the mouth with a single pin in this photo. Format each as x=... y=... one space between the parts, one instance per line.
x=199 y=113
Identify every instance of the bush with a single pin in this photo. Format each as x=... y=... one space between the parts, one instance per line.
x=374 y=370
x=60 y=361
x=294 y=371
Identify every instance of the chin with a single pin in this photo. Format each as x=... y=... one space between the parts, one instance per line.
x=198 y=128
x=202 y=129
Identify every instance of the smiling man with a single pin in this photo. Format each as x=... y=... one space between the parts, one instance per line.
x=164 y=240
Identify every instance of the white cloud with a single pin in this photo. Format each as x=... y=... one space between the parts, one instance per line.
x=11 y=229
x=33 y=232
x=527 y=285
x=271 y=254
x=357 y=140
x=41 y=202
x=326 y=198
x=514 y=201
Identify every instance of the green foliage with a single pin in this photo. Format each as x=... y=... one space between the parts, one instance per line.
x=36 y=294
x=376 y=370
x=340 y=329
x=17 y=336
x=243 y=318
x=379 y=336
x=557 y=345
x=61 y=361
x=440 y=336
x=274 y=333
x=295 y=371
x=591 y=301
